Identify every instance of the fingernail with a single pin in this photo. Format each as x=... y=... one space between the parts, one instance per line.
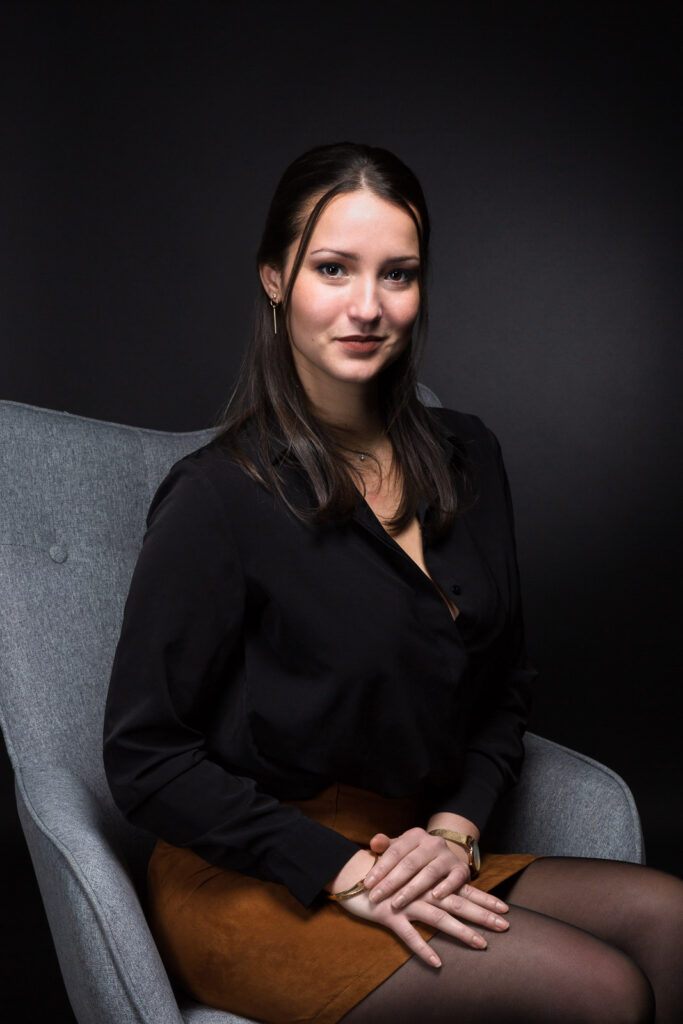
x=501 y=906
x=502 y=925
x=435 y=960
x=376 y=895
x=437 y=894
x=398 y=901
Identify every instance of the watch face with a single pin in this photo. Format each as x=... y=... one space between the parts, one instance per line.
x=476 y=856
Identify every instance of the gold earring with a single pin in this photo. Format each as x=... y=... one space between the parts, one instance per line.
x=274 y=305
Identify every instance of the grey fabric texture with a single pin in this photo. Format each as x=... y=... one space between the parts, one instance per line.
x=567 y=804
x=95 y=917
x=73 y=497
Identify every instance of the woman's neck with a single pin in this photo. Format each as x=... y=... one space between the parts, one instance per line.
x=351 y=411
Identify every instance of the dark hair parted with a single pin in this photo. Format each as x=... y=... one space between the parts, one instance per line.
x=268 y=398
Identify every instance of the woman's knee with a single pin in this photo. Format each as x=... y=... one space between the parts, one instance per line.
x=619 y=992
x=658 y=899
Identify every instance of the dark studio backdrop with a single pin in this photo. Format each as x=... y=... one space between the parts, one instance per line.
x=141 y=146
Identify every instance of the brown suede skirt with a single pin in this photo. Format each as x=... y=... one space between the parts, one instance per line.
x=250 y=948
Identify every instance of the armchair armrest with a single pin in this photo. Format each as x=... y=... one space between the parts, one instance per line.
x=567 y=804
x=111 y=967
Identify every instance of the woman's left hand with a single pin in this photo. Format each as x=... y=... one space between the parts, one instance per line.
x=413 y=864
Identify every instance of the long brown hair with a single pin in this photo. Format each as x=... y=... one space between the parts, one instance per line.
x=268 y=397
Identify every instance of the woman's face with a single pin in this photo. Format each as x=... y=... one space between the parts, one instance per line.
x=356 y=296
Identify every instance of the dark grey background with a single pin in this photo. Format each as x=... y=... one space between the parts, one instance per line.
x=141 y=143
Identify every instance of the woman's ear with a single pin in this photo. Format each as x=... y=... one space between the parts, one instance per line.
x=271 y=279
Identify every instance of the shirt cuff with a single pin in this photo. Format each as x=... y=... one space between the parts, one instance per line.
x=477 y=793
x=308 y=856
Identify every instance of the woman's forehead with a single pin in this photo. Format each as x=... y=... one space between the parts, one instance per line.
x=363 y=218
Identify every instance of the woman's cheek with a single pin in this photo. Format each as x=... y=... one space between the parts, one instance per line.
x=405 y=311
x=316 y=312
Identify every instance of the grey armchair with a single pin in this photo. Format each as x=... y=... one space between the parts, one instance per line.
x=73 y=498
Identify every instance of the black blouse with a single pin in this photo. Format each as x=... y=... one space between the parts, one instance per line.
x=261 y=659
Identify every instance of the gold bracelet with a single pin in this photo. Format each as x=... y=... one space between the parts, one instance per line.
x=359 y=887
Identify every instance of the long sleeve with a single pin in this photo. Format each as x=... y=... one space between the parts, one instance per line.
x=181 y=637
x=500 y=709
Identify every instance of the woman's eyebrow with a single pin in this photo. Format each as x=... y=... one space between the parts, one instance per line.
x=355 y=256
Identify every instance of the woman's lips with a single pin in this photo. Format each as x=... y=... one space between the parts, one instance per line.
x=357 y=343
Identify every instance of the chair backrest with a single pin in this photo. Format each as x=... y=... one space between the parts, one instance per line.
x=74 y=493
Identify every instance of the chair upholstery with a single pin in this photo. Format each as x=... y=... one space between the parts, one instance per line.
x=74 y=493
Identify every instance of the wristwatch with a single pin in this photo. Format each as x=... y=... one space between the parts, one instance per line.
x=468 y=843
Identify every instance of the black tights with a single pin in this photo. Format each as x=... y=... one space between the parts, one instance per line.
x=590 y=942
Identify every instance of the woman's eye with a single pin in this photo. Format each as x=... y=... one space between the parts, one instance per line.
x=401 y=275
x=330 y=269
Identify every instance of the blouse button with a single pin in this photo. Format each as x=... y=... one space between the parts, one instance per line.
x=455 y=588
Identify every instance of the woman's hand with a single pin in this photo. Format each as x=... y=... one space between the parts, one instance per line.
x=469 y=903
x=429 y=879
x=413 y=864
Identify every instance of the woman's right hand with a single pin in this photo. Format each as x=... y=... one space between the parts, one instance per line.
x=468 y=903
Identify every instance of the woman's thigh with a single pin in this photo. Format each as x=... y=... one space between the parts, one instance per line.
x=540 y=970
x=615 y=900
x=637 y=909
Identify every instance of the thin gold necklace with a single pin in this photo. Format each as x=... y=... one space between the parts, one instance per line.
x=363 y=455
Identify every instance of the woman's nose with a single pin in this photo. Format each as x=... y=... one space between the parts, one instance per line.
x=364 y=300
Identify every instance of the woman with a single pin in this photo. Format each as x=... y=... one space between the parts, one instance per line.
x=320 y=688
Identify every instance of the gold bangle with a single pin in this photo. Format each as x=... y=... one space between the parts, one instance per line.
x=359 y=887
